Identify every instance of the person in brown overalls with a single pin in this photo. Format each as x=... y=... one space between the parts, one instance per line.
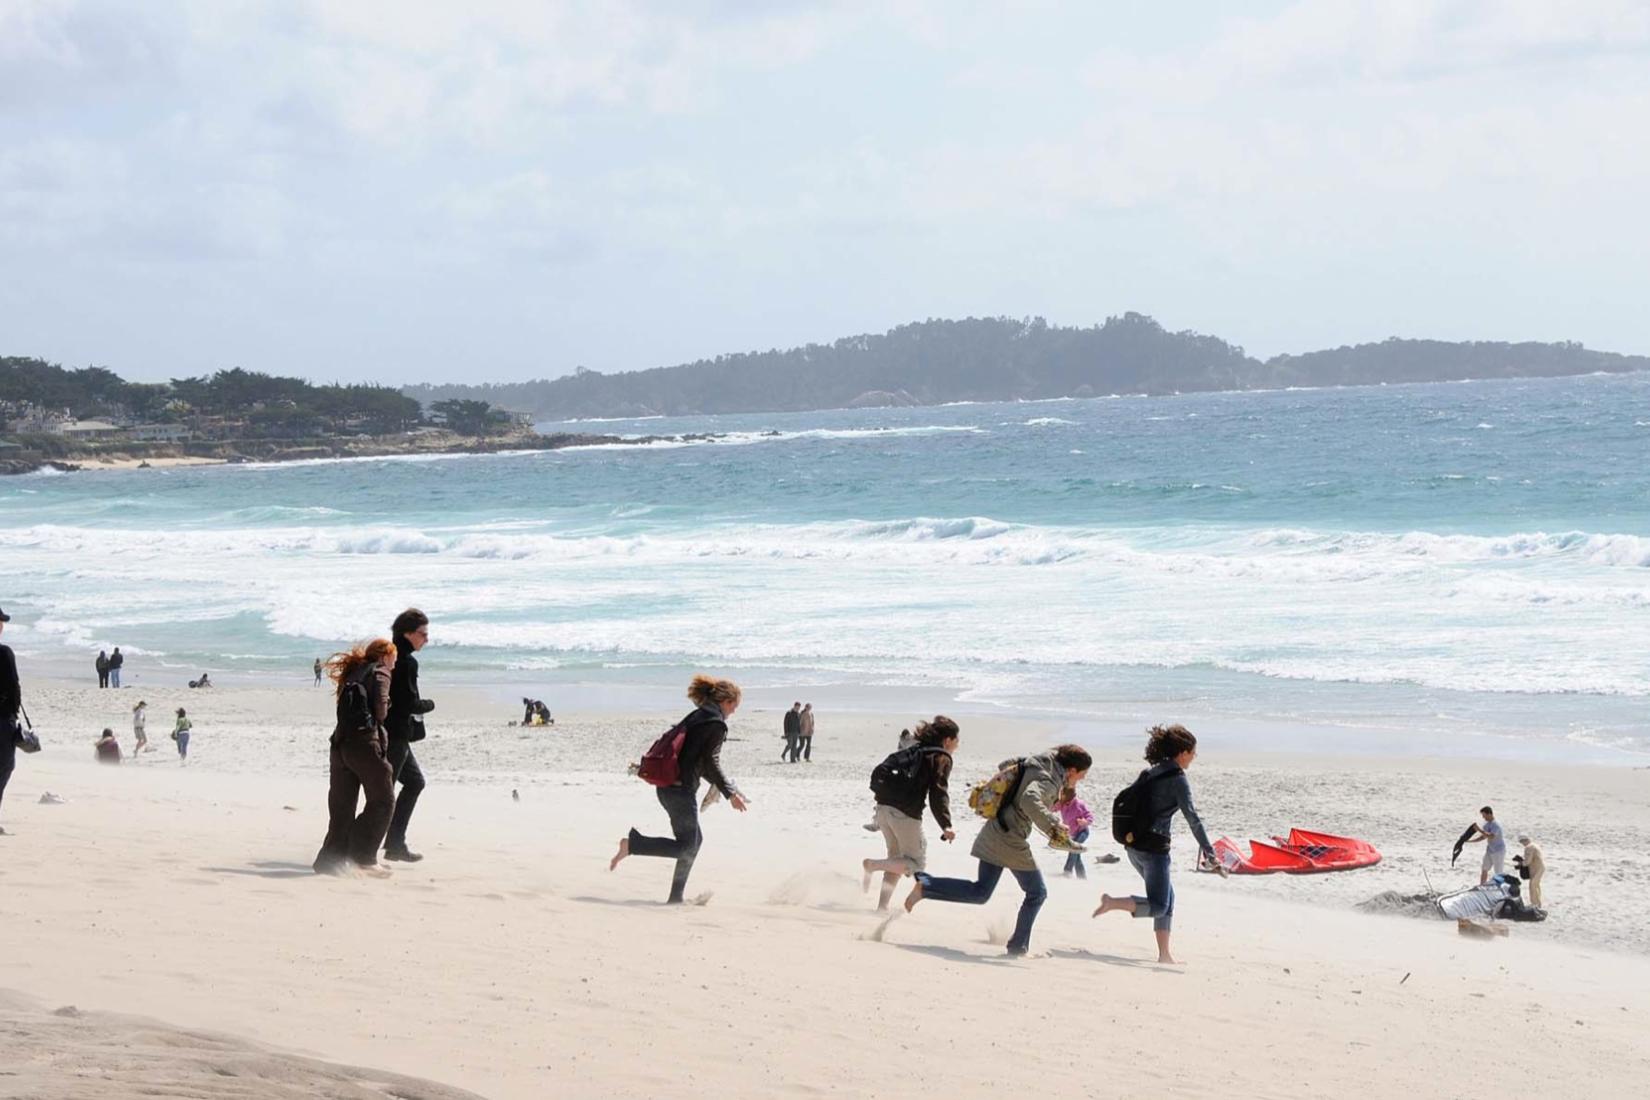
x=358 y=762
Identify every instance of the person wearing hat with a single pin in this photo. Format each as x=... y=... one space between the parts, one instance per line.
x=11 y=701
x=1536 y=866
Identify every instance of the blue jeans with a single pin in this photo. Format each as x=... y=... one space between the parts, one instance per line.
x=1074 y=860
x=1158 y=903
x=114 y=677
x=980 y=890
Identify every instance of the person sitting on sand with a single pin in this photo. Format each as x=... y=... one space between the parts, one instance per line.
x=922 y=773
x=204 y=682
x=180 y=734
x=1170 y=750
x=140 y=737
x=107 y=748
x=705 y=729
x=1078 y=820
x=536 y=713
x=1494 y=839
x=357 y=762
x=1003 y=842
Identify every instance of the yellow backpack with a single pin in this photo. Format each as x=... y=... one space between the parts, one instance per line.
x=989 y=796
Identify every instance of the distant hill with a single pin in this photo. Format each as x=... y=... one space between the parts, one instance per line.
x=1002 y=359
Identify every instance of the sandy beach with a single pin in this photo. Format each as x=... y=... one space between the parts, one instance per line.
x=511 y=963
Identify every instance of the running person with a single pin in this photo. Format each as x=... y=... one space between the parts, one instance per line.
x=701 y=757
x=899 y=812
x=1003 y=843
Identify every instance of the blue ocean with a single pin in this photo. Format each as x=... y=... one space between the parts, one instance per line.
x=1465 y=566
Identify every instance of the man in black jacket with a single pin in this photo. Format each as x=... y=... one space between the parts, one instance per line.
x=405 y=724
x=11 y=701
x=793 y=733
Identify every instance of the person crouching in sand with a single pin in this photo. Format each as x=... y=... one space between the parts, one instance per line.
x=1003 y=843
x=704 y=731
x=1170 y=750
x=358 y=762
x=902 y=782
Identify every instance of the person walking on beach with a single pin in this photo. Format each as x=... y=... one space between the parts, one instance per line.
x=1003 y=842
x=357 y=761
x=180 y=734
x=806 y=719
x=102 y=665
x=11 y=703
x=703 y=732
x=140 y=737
x=320 y=670
x=902 y=783
x=1164 y=791
x=1494 y=839
x=405 y=724
x=1078 y=820
x=116 y=659
x=793 y=733
x=1534 y=867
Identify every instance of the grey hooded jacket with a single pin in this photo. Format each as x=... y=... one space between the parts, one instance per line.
x=1006 y=841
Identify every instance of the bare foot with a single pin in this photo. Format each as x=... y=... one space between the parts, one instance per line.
x=913 y=897
x=372 y=870
x=865 y=879
x=624 y=850
x=1167 y=960
x=1109 y=903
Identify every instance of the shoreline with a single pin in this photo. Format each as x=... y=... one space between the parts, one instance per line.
x=129 y=456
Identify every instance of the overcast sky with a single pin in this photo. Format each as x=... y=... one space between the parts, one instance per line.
x=418 y=191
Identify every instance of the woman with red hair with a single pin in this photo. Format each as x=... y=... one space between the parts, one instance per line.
x=362 y=685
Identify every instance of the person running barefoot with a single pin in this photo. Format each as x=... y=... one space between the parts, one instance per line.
x=902 y=782
x=1003 y=843
x=1170 y=750
x=706 y=728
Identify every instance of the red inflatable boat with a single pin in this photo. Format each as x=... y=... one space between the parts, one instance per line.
x=1302 y=852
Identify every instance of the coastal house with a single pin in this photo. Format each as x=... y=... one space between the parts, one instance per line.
x=159 y=433
x=84 y=429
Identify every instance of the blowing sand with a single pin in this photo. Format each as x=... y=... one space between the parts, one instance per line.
x=511 y=962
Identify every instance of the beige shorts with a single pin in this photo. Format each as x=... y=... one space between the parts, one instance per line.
x=1494 y=862
x=904 y=838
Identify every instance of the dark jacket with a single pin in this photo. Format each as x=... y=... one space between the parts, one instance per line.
x=407 y=709
x=1168 y=793
x=11 y=692
x=116 y=659
x=701 y=756
x=934 y=770
x=793 y=723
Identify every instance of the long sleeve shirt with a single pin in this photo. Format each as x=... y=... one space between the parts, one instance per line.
x=11 y=691
x=1169 y=794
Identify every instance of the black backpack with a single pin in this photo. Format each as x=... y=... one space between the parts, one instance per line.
x=1129 y=826
x=355 y=703
x=901 y=779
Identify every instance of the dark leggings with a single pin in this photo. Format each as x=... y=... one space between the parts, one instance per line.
x=8 y=753
x=405 y=767
x=682 y=804
x=980 y=890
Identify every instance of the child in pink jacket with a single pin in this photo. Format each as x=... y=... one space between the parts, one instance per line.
x=1078 y=820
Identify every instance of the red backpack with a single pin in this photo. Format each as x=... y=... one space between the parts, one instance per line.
x=662 y=764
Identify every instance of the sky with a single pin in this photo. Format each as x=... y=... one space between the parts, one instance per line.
x=419 y=190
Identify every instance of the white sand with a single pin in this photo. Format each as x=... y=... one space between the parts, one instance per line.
x=511 y=963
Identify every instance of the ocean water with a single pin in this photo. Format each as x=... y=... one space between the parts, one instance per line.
x=1465 y=566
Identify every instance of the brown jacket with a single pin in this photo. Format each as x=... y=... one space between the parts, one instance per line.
x=378 y=692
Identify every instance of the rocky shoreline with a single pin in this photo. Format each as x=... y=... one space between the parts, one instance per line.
x=139 y=455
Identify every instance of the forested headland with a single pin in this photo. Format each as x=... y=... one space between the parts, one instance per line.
x=1004 y=359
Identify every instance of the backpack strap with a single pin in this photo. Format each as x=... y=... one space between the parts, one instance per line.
x=1012 y=795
